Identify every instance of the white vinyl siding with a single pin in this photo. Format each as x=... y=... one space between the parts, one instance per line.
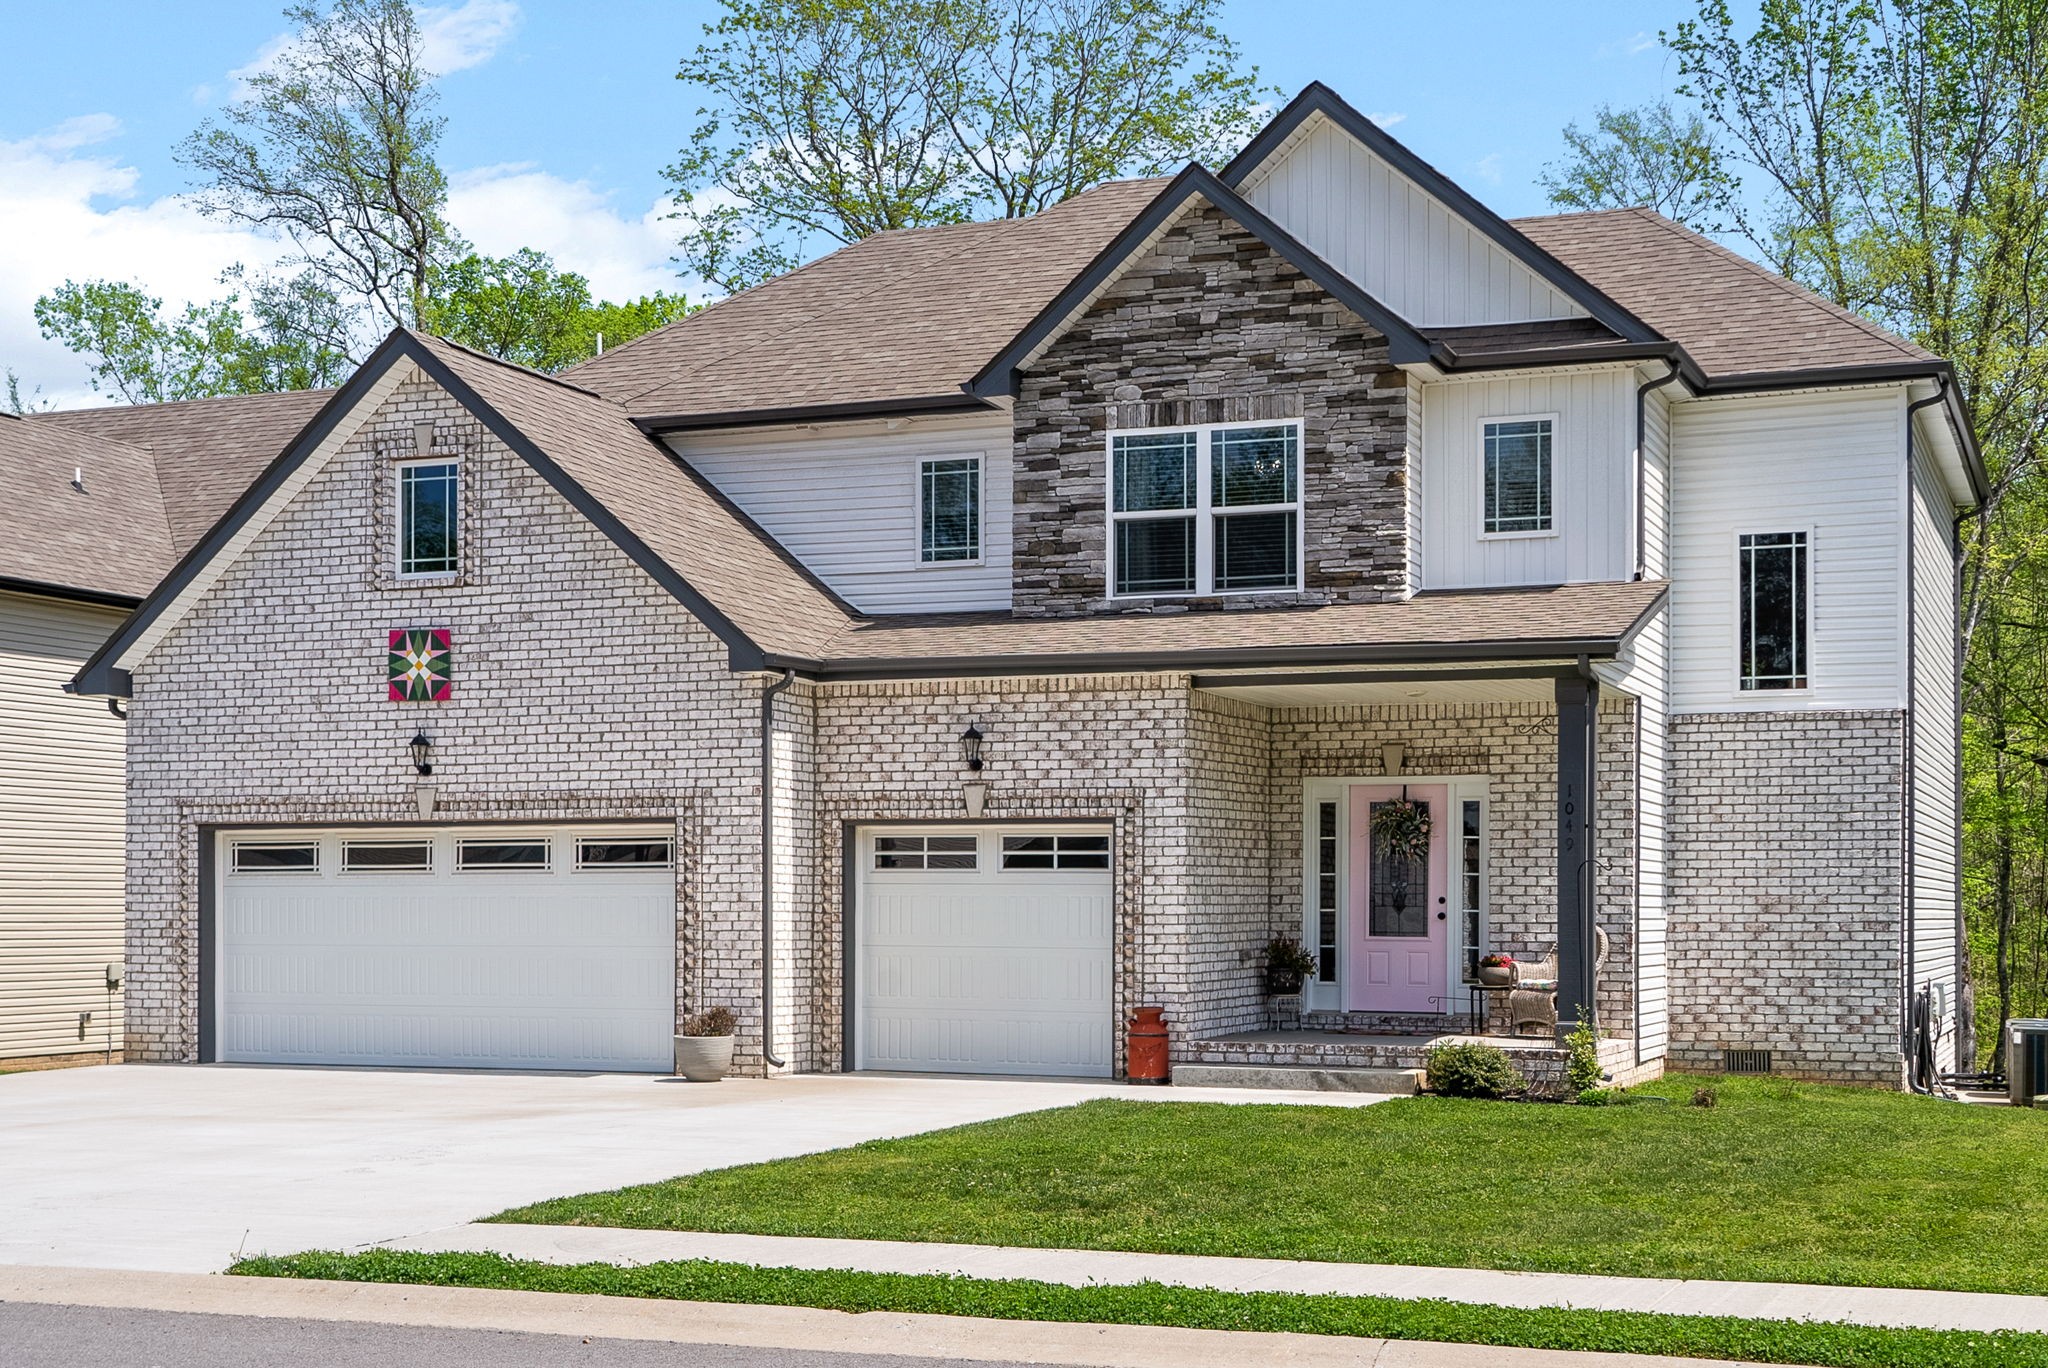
x=1644 y=674
x=1656 y=477
x=1934 y=739
x=1592 y=480
x=843 y=498
x=1828 y=463
x=1400 y=244
x=61 y=794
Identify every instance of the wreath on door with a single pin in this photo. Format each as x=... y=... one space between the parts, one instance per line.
x=1402 y=828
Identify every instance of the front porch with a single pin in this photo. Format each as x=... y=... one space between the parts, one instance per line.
x=1378 y=1061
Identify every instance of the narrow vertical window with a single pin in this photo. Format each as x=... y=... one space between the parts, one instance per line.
x=1326 y=892
x=1154 y=511
x=949 y=510
x=427 y=521
x=1472 y=875
x=1517 y=475
x=1773 y=609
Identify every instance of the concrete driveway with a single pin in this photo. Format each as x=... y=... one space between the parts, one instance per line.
x=178 y=1168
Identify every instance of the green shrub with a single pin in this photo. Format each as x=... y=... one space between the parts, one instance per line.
x=1474 y=1070
x=1598 y=1097
x=1582 y=1071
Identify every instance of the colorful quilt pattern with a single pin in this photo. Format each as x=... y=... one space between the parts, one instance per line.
x=419 y=664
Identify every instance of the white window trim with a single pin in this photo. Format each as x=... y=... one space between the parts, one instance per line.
x=358 y=843
x=917 y=466
x=273 y=843
x=1479 y=446
x=398 y=469
x=581 y=840
x=546 y=844
x=1751 y=697
x=1204 y=511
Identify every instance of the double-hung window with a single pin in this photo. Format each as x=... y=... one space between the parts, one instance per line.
x=1771 y=615
x=1516 y=476
x=1205 y=510
x=949 y=510
x=428 y=521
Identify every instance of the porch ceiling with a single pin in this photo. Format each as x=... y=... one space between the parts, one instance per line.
x=1386 y=693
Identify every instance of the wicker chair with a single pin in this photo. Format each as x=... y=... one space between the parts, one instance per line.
x=1536 y=1005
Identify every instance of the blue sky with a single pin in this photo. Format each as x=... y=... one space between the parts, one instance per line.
x=561 y=116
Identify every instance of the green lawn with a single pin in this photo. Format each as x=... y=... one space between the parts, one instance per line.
x=1720 y=1337
x=1780 y=1182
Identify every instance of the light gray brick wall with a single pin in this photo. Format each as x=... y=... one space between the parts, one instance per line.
x=581 y=690
x=1786 y=891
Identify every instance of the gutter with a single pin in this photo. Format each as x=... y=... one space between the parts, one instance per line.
x=768 y=1054
x=955 y=402
x=69 y=593
x=1642 y=464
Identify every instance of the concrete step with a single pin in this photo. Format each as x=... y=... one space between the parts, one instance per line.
x=1306 y=1077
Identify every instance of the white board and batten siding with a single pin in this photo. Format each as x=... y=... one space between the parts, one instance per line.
x=843 y=497
x=1935 y=741
x=1398 y=242
x=1829 y=464
x=1592 y=480
x=61 y=794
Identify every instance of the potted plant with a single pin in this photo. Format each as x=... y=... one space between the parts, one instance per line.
x=704 y=1049
x=1288 y=962
x=1497 y=970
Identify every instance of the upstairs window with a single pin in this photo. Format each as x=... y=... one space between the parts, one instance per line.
x=427 y=521
x=1772 y=613
x=1517 y=476
x=949 y=510
x=1206 y=510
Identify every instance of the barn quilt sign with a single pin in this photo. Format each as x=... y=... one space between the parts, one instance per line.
x=419 y=664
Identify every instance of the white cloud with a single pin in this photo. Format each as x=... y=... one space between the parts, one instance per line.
x=1642 y=40
x=1488 y=167
x=466 y=35
x=624 y=255
x=69 y=209
x=1387 y=120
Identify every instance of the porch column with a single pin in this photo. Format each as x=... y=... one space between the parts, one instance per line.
x=1578 y=726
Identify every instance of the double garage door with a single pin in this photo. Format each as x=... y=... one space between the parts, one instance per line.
x=471 y=947
x=984 y=950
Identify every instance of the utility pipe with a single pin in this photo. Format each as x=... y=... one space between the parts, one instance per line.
x=1642 y=467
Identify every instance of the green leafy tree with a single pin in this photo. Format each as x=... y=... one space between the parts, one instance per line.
x=32 y=402
x=1652 y=158
x=830 y=120
x=521 y=309
x=138 y=352
x=331 y=148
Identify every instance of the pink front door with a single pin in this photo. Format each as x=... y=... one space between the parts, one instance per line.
x=1400 y=921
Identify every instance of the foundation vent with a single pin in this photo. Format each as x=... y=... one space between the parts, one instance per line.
x=1746 y=1061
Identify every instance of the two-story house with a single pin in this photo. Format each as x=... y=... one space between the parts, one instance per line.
x=946 y=648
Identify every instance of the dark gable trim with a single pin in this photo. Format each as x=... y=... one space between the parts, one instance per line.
x=1318 y=98
x=955 y=402
x=1405 y=345
x=98 y=675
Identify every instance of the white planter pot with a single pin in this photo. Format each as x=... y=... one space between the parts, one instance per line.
x=703 y=1059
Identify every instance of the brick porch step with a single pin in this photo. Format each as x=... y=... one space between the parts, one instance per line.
x=1306 y=1077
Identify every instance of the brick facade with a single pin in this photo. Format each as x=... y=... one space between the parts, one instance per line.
x=1208 y=326
x=1786 y=891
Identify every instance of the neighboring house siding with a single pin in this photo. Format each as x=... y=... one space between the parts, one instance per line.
x=60 y=834
x=1934 y=747
x=1592 y=480
x=1401 y=244
x=581 y=691
x=843 y=498
x=1786 y=926
x=1827 y=463
x=1209 y=325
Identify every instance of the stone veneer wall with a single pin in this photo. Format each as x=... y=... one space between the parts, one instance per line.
x=311 y=736
x=1210 y=326
x=1786 y=891
x=1516 y=745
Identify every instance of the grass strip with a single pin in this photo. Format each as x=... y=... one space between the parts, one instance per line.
x=1831 y=1344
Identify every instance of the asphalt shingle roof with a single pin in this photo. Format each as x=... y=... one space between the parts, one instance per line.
x=105 y=535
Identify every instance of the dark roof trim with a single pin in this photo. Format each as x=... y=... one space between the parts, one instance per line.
x=1417 y=675
x=1318 y=98
x=68 y=592
x=1126 y=662
x=1405 y=344
x=812 y=413
x=97 y=675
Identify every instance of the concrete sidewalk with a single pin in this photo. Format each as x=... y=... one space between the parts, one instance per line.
x=952 y=1338
x=1082 y=1267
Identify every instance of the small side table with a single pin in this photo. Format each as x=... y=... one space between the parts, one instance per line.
x=1480 y=1009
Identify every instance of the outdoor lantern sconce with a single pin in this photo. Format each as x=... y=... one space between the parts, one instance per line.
x=422 y=748
x=970 y=747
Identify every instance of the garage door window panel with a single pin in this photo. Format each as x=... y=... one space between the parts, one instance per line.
x=925 y=852
x=386 y=857
x=624 y=854
x=482 y=856
x=268 y=857
x=1055 y=852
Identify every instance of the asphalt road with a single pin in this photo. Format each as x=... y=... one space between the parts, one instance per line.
x=35 y=1336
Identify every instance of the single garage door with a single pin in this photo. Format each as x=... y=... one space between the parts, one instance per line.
x=984 y=950
x=470 y=947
